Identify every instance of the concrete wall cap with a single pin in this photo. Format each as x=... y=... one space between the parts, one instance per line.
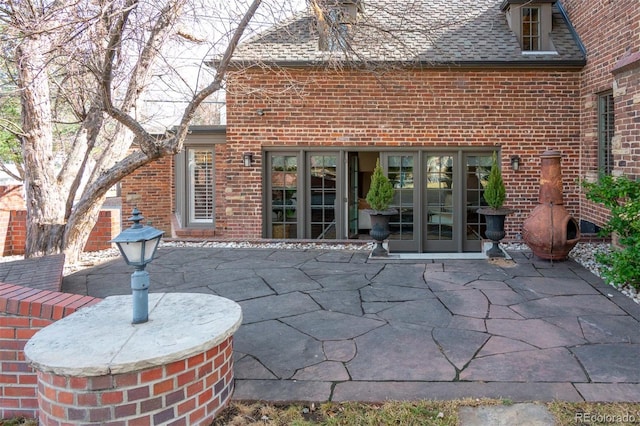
x=101 y=340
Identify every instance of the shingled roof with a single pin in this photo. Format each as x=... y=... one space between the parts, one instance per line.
x=428 y=32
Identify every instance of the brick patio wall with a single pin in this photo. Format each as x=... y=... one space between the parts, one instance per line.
x=610 y=32
x=23 y=312
x=13 y=224
x=106 y=228
x=11 y=200
x=185 y=392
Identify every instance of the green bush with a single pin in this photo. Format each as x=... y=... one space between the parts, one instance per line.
x=621 y=196
x=381 y=190
x=495 y=192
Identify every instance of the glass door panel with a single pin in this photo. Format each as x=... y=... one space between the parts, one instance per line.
x=439 y=203
x=283 y=202
x=477 y=167
x=323 y=174
x=353 y=189
x=401 y=172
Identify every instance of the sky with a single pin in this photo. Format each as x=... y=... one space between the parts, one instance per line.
x=212 y=22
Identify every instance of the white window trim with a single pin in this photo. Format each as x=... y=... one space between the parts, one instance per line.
x=539 y=52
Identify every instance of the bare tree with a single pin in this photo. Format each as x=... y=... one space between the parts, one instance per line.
x=82 y=68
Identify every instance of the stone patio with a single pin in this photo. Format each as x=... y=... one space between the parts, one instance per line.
x=335 y=325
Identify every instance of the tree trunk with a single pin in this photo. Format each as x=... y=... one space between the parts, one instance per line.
x=78 y=230
x=60 y=212
x=45 y=206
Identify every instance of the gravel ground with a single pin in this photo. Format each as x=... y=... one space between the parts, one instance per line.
x=583 y=253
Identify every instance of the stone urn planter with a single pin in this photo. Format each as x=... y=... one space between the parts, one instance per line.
x=379 y=198
x=380 y=229
x=495 y=228
x=494 y=195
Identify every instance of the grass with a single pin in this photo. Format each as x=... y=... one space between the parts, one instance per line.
x=423 y=413
x=442 y=413
x=18 y=421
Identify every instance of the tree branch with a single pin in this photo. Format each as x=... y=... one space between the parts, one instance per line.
x=221 y=72
x=167 y=18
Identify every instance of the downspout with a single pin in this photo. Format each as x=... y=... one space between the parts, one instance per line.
x=572 y=29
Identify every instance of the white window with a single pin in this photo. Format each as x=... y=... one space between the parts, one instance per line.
x=201 y=188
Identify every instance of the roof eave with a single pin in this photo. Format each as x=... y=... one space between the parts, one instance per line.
x=532 y=63
x=506 y=3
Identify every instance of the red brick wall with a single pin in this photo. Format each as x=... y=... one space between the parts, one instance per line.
x=627 y=99
x=11 y=199
x=525 y=112
x=151 y=190
x=24 y=311
x=187 y=392
x=15 y=233
x=610 y=31
x=13 y=224
x=107 y=228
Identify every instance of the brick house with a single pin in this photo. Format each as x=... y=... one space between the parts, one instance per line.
x=305 y=127
x=609 y=92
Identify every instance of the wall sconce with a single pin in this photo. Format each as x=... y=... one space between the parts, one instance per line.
x=247 y=159
x=260 y=112
x=515 y=163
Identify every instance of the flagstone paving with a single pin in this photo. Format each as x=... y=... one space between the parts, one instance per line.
x=335 y=325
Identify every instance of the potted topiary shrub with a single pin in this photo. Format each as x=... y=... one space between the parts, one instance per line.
x=379 y=198
x=495 y=194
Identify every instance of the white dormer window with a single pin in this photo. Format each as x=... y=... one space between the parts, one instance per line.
x=335 y=18
x=338 y=30
x=531 y=21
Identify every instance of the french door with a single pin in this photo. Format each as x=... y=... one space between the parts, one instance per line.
x=441 y=214
x=322 y=209
x=476 y=173
x=401 y=171
x=283 y=187
x=302 y=195
x=316 y=195
x=437 y=195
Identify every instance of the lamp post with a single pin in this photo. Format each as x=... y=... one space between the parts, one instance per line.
x=138 y=245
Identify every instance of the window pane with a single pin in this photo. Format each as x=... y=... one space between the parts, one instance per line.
x=400 y=171
x=439 y=202
x=477 y=175
x=322 y=180
x=284 y=202
x=530 y=28
x=606 y=128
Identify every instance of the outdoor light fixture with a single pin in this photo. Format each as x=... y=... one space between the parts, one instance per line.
x=247 y=159
x=138 y=245
x=515 y=163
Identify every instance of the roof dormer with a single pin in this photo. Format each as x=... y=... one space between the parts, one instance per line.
x=531 y=21
x=334 y=18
